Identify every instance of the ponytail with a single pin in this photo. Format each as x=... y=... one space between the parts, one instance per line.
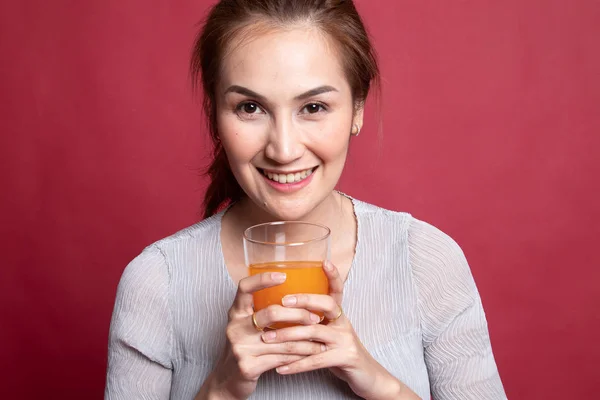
x=223 y=188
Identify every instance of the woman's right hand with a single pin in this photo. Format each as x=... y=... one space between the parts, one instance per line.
x=247 y=356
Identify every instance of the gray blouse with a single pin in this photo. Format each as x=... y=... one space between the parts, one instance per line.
x=409 y=294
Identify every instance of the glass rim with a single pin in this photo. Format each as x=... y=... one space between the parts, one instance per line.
x=300 y=243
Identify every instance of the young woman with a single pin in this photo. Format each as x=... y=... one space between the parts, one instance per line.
x=285 y=84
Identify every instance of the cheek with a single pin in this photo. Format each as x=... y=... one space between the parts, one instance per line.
x=240 y=142
x=331 y=143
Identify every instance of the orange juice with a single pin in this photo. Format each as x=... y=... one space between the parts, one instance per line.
x=302 y=277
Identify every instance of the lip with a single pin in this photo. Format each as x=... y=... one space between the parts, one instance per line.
x=289 y=187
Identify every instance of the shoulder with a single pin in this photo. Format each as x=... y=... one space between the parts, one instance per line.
x=421 y=235
x=179 y=250
x=427 y=241
x=373 y=218
x=418 y=231
x=437 y=261
x=434 y=254
x=157 y=260
x=197 y=235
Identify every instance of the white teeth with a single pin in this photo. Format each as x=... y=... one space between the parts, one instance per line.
x=289 y=178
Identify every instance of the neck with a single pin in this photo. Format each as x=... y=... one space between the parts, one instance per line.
x=329 y=212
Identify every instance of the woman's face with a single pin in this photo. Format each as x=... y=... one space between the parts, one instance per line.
x=284 y=114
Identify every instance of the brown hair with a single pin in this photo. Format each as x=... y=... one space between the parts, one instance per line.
x=336 y=18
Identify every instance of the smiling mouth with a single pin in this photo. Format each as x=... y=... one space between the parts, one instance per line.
x=288 y=178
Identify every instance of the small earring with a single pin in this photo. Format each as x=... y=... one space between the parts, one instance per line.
x=355 y=130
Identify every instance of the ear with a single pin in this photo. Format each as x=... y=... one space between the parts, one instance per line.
x=359 y=112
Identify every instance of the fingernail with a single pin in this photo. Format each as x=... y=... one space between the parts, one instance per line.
x=289 y=300
x=268 y=336
x=278 y=276
x=327 y=265
x=315 y=318
x=282 y=369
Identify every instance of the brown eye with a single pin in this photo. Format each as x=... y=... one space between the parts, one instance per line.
x=249 y=108
x=313 y=108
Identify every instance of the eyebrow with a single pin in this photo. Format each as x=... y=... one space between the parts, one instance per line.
x=315 y=92
x=250 y=93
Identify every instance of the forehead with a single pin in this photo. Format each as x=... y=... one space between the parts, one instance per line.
x=299 y=58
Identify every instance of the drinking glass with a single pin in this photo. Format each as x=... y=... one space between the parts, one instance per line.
x=297 y=249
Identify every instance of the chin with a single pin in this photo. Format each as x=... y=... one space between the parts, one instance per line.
x=286 y=213
x=282 y=209
x=296 y=206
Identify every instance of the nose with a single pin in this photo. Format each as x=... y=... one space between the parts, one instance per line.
x=285 y=144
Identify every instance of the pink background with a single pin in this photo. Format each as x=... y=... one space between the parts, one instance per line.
x=491 y=132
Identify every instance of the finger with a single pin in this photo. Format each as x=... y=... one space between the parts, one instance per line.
x=253 y=283
x=271 y=361
x=328 y=359
x=315 y=302
x=253 y=368
x=318 y=333
x=336 y=285
x=276 y=313
x=301 y=348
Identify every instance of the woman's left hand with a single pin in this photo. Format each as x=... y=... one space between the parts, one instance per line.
x=345 y=355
